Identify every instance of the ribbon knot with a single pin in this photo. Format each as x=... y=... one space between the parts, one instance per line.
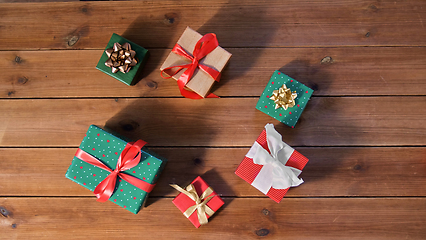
x=274 y=172
x=129 y=158
x=203 y=47
x=200 y=205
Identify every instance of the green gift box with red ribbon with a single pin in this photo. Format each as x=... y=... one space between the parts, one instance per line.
x=115 y=169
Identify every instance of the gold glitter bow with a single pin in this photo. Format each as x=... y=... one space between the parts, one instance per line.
x=200 y=206
x=283 y=97
x=121 y=57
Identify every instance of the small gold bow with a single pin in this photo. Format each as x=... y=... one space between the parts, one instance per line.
x=200 y=206
x=283 y=97
x=121 y=57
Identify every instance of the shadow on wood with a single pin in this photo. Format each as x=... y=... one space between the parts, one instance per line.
x=238 y=33
x=220 y=186
x=310 y=74
x=141 y=25
x=132 y=122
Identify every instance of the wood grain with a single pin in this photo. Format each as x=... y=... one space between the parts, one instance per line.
x=331 y=172
x=350 y=72
x=292 y=23
x=363 y=129
x=26 y=1
x=312 y=218
x=356 y=121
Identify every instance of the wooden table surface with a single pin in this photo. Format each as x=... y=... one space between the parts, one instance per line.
x=363 y=130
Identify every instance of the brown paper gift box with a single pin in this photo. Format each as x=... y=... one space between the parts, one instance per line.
x=200 y=82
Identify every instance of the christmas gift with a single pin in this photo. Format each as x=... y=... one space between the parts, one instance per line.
x=123 y=59
x=271 y=165
x=198 y=201
x=203 y=60
x=284 y=98
x=115 y=169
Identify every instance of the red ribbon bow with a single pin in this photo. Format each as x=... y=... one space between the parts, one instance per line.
x=129 y=158
x=203 y=47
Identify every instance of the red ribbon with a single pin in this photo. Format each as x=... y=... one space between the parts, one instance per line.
x=203 y=47
x=129 y=158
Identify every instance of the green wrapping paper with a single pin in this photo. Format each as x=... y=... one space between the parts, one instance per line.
x=128 y=78
x=107 y=148
x=292 y=114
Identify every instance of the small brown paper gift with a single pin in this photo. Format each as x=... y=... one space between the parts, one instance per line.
x=200 y=82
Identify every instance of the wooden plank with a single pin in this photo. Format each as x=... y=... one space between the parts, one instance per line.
x=313 y=218
x=342 y=172
x=351 y=71
x=331 y=121
x=26 y=1
x=254 y=24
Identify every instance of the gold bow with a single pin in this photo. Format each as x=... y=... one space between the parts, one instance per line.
x=121 y=57
x=283 y=97
x=201 y=207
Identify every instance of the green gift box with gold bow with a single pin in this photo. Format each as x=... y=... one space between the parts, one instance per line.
x=123 y=59
x=284 y=98
x=115 y=169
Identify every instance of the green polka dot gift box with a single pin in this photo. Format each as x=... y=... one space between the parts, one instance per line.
x=284 y=98
x=115 y=169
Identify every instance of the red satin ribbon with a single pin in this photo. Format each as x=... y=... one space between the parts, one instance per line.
x=203 y=47
x=129 y=158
